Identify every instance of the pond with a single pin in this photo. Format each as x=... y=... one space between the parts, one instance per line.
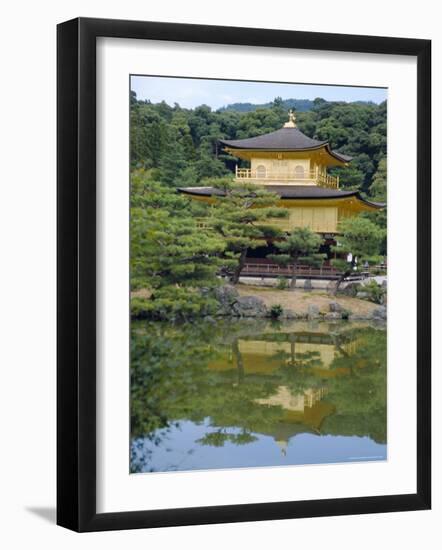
x=245 y=393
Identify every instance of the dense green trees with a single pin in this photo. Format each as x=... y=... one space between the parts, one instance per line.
x=169 y=260
x=180 y=146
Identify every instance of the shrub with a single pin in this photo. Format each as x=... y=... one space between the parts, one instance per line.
x=276 y=311
x=281 y=283
x=345 y=315
x=173 y=304
x=375 y=292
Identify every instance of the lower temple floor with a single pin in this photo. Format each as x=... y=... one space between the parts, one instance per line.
x=258 y=264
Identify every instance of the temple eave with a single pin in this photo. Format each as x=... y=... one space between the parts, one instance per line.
x=293 y=196
x=323 y=151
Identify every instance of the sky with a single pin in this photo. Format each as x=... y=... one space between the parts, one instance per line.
x=191 y=92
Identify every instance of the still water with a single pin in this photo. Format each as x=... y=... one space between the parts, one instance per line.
x=244 y=393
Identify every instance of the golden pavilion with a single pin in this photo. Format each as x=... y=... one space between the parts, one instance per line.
x=294 y=166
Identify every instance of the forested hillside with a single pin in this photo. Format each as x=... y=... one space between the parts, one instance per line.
x=299 y=105
x=179 y=146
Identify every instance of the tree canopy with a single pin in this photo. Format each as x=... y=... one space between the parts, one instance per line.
x=168 y=257
x=362 y=238
x=358 y=129
x=301 y=244
x=242 y=217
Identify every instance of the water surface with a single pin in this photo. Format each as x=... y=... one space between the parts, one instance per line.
x=244 y=393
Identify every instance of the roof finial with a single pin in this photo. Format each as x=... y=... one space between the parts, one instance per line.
x=292 y=120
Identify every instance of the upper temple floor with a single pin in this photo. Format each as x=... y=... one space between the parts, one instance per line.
x=286 y=157
x=293 y=171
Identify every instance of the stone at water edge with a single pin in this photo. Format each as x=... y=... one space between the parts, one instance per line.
x=334 y=307
x=359 y=317
x=226 y=294
x=379 y=313
x=289 y=314
x=313 y=311
x=333 y=316
x=249 y=306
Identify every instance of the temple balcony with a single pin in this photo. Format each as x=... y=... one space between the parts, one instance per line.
x=305 y=177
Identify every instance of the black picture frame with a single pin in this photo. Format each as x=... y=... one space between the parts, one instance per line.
x=77 y=287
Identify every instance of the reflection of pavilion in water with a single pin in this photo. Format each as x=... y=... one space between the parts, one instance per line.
x=258 y=358
x=301 y=409
x=262 y=354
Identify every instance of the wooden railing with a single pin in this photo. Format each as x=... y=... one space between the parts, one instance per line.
x=288 y=176
x=303 y=271
x=269 y=269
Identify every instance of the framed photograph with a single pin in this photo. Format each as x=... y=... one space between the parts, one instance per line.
x=243 y=274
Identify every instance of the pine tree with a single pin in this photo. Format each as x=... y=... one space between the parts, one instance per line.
x=242 y=216
x=172 y=258
x=172 y=165
x=378 y=189
x=360 y=237
x=301 y=245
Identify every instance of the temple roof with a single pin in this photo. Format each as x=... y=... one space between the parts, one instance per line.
x=289 y=192
x=284 y=139
x=288 y=138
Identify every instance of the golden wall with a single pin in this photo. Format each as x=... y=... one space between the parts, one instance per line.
x=280 y=166
x=321 y=219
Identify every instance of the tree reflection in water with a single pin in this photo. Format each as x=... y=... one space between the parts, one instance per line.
x=236 y=385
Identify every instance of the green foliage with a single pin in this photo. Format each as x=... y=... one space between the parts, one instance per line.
x=301 y=245
x=276 y=311
x=361 y=237
x=183 y=143
x=173 y=163
x=378 y=190
x=299 y=104
x=281 y=283
x=173 y=304
x=378 y=193
x=169 y=257
x=376 y=293
x=240 y=216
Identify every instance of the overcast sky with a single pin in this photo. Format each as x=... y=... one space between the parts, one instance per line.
x=191 y=92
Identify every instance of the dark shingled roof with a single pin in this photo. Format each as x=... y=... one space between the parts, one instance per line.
x=288 y=192
x=287 y=139
x=284 y=139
